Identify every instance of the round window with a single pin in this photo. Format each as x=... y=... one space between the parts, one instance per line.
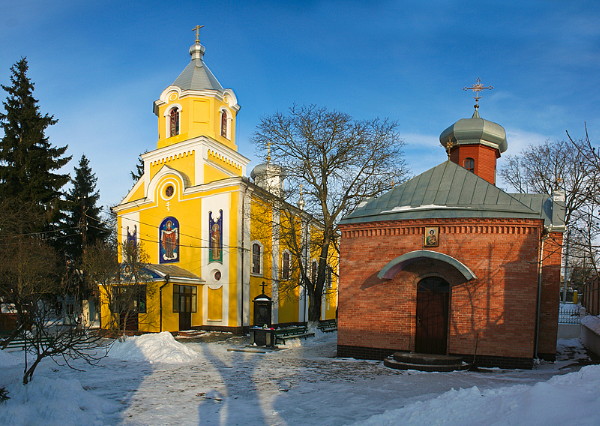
x=169 y=191
x=217 y=275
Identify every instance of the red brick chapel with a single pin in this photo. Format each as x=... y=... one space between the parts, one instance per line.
x=448 y=263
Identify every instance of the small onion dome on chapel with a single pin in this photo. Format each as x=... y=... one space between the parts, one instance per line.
x=197 y=76
x=270 y=177
x=475 y=130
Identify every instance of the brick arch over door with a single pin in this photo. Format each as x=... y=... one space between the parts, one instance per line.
x=402 y=262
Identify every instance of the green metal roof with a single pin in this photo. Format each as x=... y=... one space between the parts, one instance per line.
x=476 y=130
x=174 y=272
x=450 y=191
x=389 y=271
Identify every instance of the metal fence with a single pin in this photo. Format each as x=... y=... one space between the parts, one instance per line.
x=568 y=314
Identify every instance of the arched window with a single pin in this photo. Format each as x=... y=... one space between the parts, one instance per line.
x=256 y=259
x=174 y=122
x=470 y=164
x=224 y=123
x=286 y=265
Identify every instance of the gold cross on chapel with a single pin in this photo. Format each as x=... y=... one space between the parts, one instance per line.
x=197 y=29
x=476 y=88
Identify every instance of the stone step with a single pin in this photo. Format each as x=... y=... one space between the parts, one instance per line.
x=392 y=363
x=424 y=362
x=426 y=359
x=190 y=333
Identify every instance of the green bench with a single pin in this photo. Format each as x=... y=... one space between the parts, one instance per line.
x=20 y=344
x=293 y=332
x=327 y=326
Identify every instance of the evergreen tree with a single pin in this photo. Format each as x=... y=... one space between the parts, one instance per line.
x=139 y=169
x=29 y=164
x=83 y=213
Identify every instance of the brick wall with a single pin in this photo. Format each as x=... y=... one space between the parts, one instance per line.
x=484 y=156
x=493 y=315
x=551 y=260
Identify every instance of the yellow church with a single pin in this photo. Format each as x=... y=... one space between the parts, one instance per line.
x=210 y=236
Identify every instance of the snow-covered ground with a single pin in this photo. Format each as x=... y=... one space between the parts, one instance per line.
x=156 y=380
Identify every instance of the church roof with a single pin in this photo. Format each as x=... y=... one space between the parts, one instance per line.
x=175 y=273
x=475 y=130
x=196 y=75
x=450 y=191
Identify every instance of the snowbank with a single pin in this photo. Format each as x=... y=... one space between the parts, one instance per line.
x=591 y=322
x=152 y=348
x=53 y=401
x=8 y=359
x=569 y=399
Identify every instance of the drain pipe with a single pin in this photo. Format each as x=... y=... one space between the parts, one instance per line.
x=160 y=289
x=539 y=294
x=243 y=258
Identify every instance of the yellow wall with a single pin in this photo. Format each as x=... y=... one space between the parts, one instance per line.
x=184 y=163
x=199 y=116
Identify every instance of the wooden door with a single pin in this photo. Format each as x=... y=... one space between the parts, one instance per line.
x=432 y=316
x=185 y=311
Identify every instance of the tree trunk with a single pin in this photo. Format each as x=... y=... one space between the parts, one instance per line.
x=28 y=374
x=314 y=309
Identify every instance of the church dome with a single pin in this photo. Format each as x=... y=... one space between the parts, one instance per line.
x=269 y=177
x=197 y=76
x=475 y=130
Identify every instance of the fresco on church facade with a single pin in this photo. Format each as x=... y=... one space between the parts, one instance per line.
x=432 y=237
x=169 y=240
x=132 y=237
x=216 y=237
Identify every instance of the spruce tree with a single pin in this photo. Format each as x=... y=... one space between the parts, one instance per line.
x=29 y=164
x=139 y=169
x=83 y=213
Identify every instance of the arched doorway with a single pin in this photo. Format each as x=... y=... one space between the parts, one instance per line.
x=433 y=295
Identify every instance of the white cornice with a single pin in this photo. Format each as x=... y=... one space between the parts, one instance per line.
x=217 y=94
x=196 y=144
x=132 y=190
x=189 y=190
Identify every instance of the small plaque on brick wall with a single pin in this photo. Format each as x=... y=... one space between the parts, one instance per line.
x=431 y=237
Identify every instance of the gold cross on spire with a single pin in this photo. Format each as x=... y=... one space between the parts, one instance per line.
x=449 y=145
x=478 y=87
x=268 y=152
x=197 y=29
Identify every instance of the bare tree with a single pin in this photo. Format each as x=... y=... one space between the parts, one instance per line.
x=542 y=169
x=124 y=284
x=332 y=163
x=585 y=232
x=30 y=283
x=48 y=336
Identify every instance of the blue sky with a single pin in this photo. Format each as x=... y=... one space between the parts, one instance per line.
x=99 y=65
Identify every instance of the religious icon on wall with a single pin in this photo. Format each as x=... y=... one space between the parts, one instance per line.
x=169 y=240
x=216 y=237
x=132 y=237
x=432 y=237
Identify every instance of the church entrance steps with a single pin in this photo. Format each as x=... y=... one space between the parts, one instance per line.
x=190 y=334
x=424 y=362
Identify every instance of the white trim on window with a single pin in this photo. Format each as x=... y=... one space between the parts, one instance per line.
x=167 y=116
x=256 y=265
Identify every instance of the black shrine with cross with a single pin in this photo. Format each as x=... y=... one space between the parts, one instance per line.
x=263 y=306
